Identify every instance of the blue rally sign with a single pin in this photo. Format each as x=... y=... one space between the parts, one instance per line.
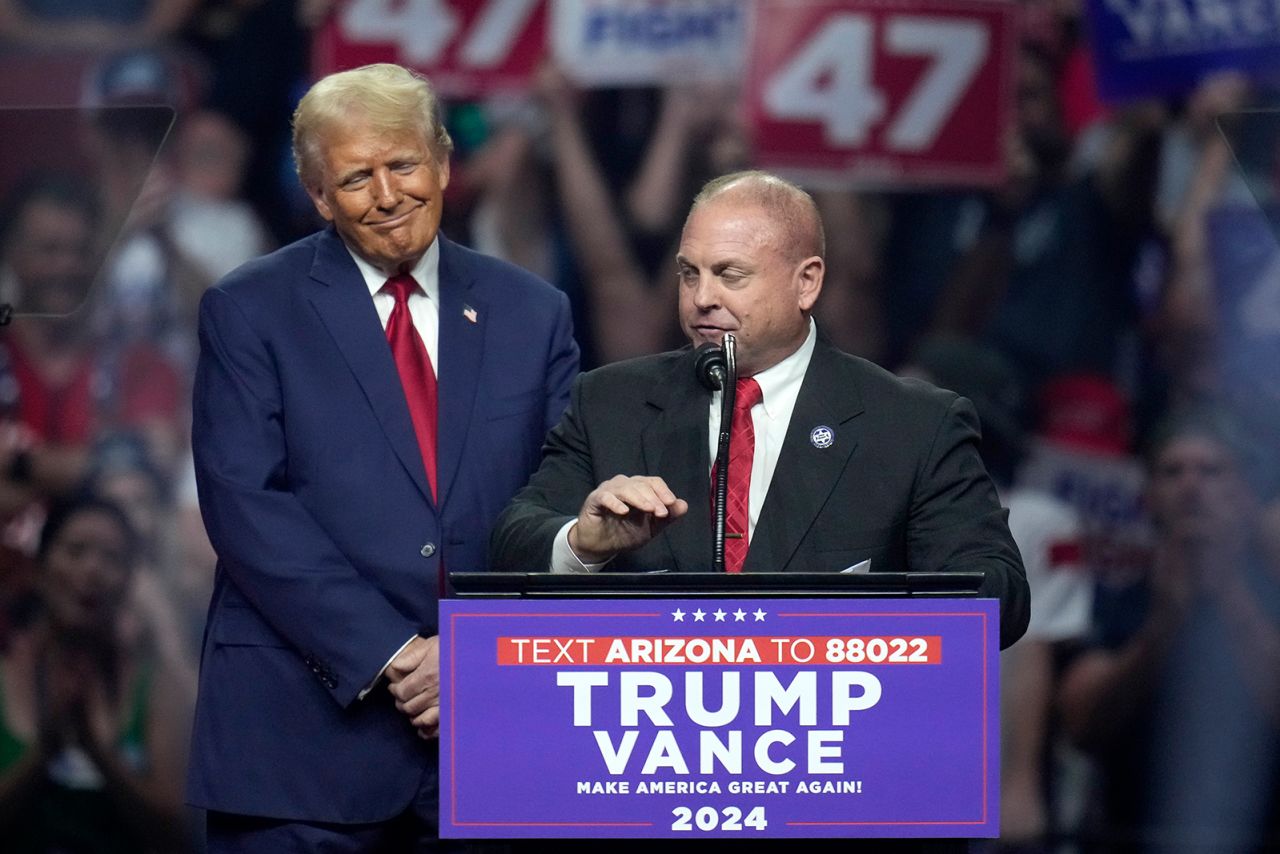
x=1165 y=47
x=719 y=718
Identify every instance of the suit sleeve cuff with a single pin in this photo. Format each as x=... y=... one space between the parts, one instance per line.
x=394 y=656
x=563 y=560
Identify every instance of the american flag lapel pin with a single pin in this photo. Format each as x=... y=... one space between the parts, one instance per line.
x=469 y=313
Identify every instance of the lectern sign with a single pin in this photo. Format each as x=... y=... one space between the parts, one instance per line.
x=735 y=718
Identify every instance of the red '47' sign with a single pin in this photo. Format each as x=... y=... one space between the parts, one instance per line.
x=466 y=47
x=883 y=92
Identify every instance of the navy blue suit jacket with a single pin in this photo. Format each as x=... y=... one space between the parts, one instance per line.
x=315 y=497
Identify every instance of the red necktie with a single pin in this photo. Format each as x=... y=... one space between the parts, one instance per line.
x=742 y=451
x=416 y=374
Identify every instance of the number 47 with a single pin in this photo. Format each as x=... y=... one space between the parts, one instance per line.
x=423 y=29
x=830 y=79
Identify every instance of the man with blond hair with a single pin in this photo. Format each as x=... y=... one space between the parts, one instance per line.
x=367 y=400
x=845 y=465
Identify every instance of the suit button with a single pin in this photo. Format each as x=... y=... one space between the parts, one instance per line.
x=428 y=550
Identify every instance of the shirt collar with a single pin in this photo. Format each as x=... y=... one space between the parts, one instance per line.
x=426 y=272
x=781 y=382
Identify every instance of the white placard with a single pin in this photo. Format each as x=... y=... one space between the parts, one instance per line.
x=649 y=42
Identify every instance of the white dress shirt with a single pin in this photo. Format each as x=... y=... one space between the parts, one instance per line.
x=424 y=303
x=779 y=387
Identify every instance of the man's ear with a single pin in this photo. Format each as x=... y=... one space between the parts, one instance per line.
x=809 y=276
x=322 y=206
x=442 y=172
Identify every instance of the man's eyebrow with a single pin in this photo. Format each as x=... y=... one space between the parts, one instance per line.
x=716 y=267
x=344 y=177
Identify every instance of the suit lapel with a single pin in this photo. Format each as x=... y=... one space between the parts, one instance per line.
x=463 y=320
x=806 y=473
x=675 y=446
x=348 y=313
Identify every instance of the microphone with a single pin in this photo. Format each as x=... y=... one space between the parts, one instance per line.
x=710 y=366
x=718 y=368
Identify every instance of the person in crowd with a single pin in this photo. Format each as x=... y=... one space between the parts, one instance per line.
x=367 y=400
x=49 y=405
x=847 y=464
x=120 y=470
x=258 y=61
x=1083 y=451
x=615 y=236
x=208 y=221
x=1212 y=323
x=505 y=195
x=1178 y=695
x=93 y=722
x=1051 y=243
x=1048 y=533
x=58 y=385
x=148 y=288
x=623 y=217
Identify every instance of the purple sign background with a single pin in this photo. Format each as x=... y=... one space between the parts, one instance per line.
x=921 y=761
x=1145 y=48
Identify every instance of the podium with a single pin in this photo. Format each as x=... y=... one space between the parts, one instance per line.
x=711 y=706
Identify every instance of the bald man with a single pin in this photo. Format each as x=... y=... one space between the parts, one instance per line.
x=850 y=464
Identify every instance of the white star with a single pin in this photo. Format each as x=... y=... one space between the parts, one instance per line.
x=678 y=615
x=719 y=615
x=740 y=615
x=759 y=615
x=698 y=615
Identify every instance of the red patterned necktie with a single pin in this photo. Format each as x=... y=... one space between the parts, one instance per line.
x=742 y=451
x=413 y=362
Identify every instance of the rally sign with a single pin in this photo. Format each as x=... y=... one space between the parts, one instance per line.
x=719 y=718
x=646 y=42
x=467 y=48
x=1165 y=47
x=883 y=92
x=1105 y=489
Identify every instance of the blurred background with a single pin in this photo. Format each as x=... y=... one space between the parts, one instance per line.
x=1062 y=209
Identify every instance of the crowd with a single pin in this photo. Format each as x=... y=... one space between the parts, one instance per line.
x=1110 y=309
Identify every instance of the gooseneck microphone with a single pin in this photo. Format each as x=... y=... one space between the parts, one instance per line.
x=717 y=368
x=710 y=366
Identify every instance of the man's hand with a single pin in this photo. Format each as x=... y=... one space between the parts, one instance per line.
x=621 y=514
x=414 y=677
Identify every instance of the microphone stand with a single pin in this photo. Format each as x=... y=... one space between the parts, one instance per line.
x=728 y=393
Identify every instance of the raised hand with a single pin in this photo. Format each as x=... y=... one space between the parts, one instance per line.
x=621 y=514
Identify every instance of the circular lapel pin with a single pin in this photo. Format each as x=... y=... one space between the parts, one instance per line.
x=822 y=437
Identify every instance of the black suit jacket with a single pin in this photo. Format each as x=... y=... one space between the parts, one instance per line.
x=902 y=483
